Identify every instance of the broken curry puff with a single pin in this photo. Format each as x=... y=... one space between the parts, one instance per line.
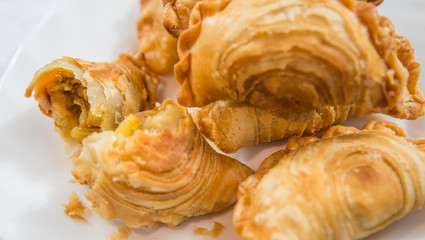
x=156 y=168
x=85 y=97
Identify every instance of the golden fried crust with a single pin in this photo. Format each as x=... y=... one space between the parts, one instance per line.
x=84 y=97
x=177 y=14
x=158 y=46
x=231 y=125
x=374 y=2
x=147 y=176
x=346 y=185
x=330 y=53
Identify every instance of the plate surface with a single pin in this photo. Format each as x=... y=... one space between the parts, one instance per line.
x=34 y=176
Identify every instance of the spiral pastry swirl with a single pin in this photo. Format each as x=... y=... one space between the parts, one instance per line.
x=346 y=185
x=297 y=56
x=156 y=168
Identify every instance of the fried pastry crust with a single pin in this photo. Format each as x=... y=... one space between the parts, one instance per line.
x=177 y=14
x=158 y=46
x=346 y=185
x=297 y=56
x=85 y=97
x=231 y=125
x=156 y=168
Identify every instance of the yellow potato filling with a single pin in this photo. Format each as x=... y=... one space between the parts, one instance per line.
x=152 y=122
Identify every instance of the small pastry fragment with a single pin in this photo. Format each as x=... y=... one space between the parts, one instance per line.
x=215 y=231
x=297 y=56
x=122 y=234
x=200 y=231
x=84 y=97
x=347 y=185
x=156 y=168
x=74 y=208
x=231 y=125
x=158 y=46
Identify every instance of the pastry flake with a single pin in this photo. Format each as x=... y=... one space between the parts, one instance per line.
x=122 y=234
x=297 y=56
x=74 y=208
x=85 y=97
x=346 y=185
x=156 y=168
x=214 y=232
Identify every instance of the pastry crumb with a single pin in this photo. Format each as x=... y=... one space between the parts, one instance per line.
x=122 y=234
x=75 y=208
x=215 y=232
x=200 y=231
x=217 y=229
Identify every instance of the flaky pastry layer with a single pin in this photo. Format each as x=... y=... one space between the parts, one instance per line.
x=297 y=56
x=158 y=46
x=231 y=125
x=177 y=14
x=85 y=97
x=156 y=168
x=346 y=185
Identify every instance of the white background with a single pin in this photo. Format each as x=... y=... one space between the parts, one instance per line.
x=34 y=176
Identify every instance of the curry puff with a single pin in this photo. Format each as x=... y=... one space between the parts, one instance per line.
x=346 y=185
x=231 y=125
x=85 y=97
x=297 y=56
x=156 y=168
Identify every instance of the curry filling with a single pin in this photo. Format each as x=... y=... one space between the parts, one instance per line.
x=70 y=107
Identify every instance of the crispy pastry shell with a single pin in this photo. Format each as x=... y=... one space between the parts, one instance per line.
x=297 y=56
x=177 y=14
x=346 y=185
x=231 y=125
x=155 y=169
x=158 y=46
x=84 y=97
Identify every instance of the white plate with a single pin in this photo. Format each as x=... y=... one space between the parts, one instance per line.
x=34 y=176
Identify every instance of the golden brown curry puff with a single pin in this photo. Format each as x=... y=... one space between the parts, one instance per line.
x=158 y=46
x=297 y=56
x=231 y=125
x=346 y=185
x=156 y=168
x=85 y=97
